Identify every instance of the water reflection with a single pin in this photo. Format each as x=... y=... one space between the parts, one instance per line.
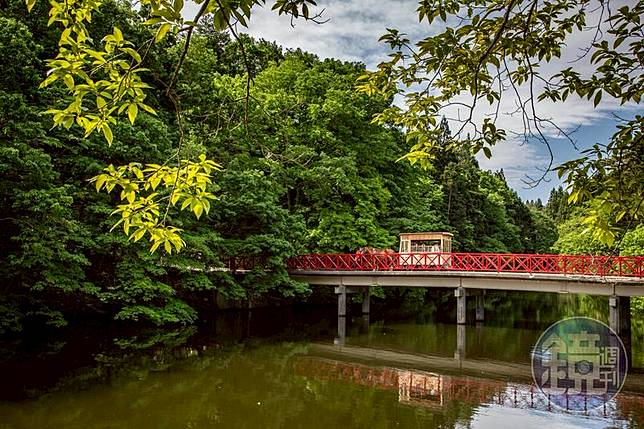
x=282 y=369
x=437 y=391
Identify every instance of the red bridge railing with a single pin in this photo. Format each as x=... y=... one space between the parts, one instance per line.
x=628 y=266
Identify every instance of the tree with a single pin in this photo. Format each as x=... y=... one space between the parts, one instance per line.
x=306 y=171
x=104 y=82
x=490 y=47
x=304 y=160
x=557 y=206
x=57 y=257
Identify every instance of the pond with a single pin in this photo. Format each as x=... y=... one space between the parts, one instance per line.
x=287 y=368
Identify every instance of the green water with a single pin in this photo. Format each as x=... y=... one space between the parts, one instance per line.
x=288 y=368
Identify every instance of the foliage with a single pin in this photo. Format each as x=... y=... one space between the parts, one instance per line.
x=611 y=179
x=633 y=242
x=482 y=209
x=103 y=82
x=305 y=171
x=489 y=47
x=184 y=186
x=572 y=241
x=557 y=207
x=543 y=234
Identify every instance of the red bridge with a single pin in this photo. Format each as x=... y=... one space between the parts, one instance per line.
x=602 y=266
x=618 y=277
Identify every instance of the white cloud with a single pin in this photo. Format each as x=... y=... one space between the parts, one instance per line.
x=352 y=31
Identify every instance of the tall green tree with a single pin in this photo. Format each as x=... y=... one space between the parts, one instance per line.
x=305 y=170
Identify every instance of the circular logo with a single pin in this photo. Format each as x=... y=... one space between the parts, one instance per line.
x=579 y=364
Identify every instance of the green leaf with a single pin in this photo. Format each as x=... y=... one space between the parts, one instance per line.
x=132 y=53
x=187 y=202
x=198 y=209
x=69 y=81
x=174 y=198
x=107 y=132
x=118 y=35
x=147 y=109
x=138 y=234
x=155 y=246
x=178 y=6
x=153 y=21
x=598 y=98
x=100 y=181
x=132 y=111
x=163 y=30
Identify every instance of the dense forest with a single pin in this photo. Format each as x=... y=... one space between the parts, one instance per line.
x=304 y=169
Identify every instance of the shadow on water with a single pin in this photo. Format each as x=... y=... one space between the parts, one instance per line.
x=280 y=368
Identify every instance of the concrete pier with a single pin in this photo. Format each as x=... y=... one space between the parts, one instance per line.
x=342 y=331
x=461 y=337
x=619 y=320
x=341 y=291
x=365 y=324
x=366 y=300
x=619 y=316
x=461 y=305
x=480 y=307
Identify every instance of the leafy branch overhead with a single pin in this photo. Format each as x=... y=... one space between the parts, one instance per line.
x=147 y=190
x=490 y=48
x=104 y=82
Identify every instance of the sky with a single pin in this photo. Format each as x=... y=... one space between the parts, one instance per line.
x=352 y=33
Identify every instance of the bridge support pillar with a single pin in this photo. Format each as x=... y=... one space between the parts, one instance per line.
x=619 y=319
x=459 y=353
x=341 y=291
x=342 y=331
x=619 y=316
x=365 y=323
x=480 y=307
x=366 y=300
x=461 y=305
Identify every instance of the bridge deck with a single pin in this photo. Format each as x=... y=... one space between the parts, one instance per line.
x=527 y=282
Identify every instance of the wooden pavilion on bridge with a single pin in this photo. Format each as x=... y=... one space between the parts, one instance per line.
x=426 y=242
x=415 y=246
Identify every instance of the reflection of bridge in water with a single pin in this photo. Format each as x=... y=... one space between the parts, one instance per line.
x=438 y=389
